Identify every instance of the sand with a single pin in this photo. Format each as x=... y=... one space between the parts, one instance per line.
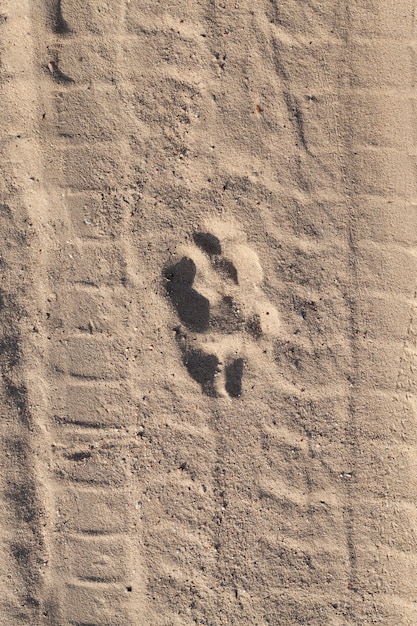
x=208 y=315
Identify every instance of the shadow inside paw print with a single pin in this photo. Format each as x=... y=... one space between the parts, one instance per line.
x=213 y=327
x=209 y=243
x=202 y=368
x=193 y=309
x=234 y=373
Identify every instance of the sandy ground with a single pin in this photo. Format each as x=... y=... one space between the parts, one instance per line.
x=208 y=316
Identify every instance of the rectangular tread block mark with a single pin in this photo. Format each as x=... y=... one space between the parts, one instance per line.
x=94 y=214
x=91 y=512
x=383 y=173
x=390 y=608
x=294 y=17
x=90 y=465
x=380 y=317
x=378 y=221
x=376 y=570
x=95 y=406
x=11 y=117
x=316 y=67
x=92 y=167
x=318 y=121
x=318 y=415
x=88 y=358
x=322 y=220
x=379 y=364
x=380 y=121
x=82 y=60
x=385 y=418
x=297 y=361
x=146 y=50
x=97 y=264
x=190 y=507
x=91 y=16
x=300 y=607
x=368 y=19
x=380 y=473
x=378 y=65
x=87 y=115
x=385 y=269
x=376 y=522
x=93 y=312
x=147 y=16
x=86 y=606
x=101 y=559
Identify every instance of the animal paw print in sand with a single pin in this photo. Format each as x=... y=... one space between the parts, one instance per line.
x=215 y=287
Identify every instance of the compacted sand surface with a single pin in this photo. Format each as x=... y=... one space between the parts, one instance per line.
x=208 y=316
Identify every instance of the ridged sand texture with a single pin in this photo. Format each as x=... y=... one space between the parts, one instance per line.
x=208 y=314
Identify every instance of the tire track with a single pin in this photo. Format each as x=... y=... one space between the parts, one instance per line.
x=243 y=500
x=318 y=266
x=95 y=571
x=297 y=485
x=379 y=461
x=24 y=440
x=177 y=507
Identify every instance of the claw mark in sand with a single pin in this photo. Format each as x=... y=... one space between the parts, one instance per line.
x=215 y=288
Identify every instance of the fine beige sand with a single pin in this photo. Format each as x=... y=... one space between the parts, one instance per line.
x=208 y=314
